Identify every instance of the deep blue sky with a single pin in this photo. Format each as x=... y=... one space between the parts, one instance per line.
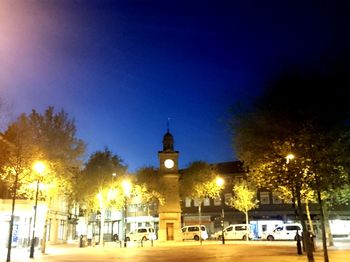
x=121 y=68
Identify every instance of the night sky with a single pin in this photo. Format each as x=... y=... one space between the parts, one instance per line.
x=122 y=68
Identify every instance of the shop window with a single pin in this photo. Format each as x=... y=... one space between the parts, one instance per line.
x=264 y=198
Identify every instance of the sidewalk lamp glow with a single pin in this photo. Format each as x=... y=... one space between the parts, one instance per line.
x=290 y=157
x=220 y=181
x=39 y=168
x=126 y=187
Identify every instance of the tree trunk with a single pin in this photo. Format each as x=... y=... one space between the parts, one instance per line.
x=14 y=194
x=327 y=226
x=324 y=240
x=306 y=236
x=102 y=222
x=200 y=221
x=309 y=217
x=248 y=227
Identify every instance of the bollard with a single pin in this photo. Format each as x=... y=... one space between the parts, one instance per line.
x=81 y=241
x=299 y=251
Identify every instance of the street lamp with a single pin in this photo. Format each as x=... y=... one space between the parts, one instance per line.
x=127 y=190
x=290 y=157
x=39 y=167
x=220 y=182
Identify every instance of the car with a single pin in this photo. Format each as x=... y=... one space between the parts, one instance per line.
x=193 y=232
x=284 y=232
x=141 y=234
x=235 y=232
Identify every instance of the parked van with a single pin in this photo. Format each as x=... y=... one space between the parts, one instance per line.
x=193 y=232
x=141 y=233
x=285 y=232
x=236 y=231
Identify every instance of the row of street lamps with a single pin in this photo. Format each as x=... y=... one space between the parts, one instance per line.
x=39 y=168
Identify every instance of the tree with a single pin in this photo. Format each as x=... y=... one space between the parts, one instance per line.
x=199 y=182
x=288 y=119
x=244 y=198
x=17 y=154
x=149 y=186
x=99 y=188
x=49 y=137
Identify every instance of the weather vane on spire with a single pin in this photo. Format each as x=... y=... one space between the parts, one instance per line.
x=167 y=124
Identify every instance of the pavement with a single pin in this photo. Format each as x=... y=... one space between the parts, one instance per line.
x=276 y=251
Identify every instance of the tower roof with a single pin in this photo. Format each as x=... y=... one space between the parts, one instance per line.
x=168 y=142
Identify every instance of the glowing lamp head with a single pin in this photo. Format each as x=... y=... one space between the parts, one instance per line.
x=290 y=157
x=220 y=181
x=39 y=167
x=126 y=187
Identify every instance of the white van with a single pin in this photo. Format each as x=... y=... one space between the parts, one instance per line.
x=284 y=232
x=193 y=232
x=236 y=231
x=141 y=233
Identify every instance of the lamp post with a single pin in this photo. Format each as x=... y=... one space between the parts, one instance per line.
x=39 y=167
x=220 y=182
x=127 y=190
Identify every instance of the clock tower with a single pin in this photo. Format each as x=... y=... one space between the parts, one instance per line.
x=170 y=212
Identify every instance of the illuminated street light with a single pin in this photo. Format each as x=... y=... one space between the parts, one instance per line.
x=290 y=157
x=127 y=191
x=39 y=167
x=220 y=182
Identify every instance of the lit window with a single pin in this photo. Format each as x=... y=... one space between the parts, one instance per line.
x=196 y=202
x=264 y=198
x=61 y=229
x=188 y=202
x=217 y=201
x=228 y=197
x=276 y=199
x=206 y=202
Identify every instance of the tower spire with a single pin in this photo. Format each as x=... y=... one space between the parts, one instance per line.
x=168 y=124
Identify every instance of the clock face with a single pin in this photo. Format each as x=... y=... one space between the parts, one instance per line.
x=169 y=163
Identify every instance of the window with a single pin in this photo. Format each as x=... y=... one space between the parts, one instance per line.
x=228 y=196
x=196 y=202
x=292 y=228
x=229 y=229
x=276 y=199
x=61 y=229
x=188 y=201
x=217 y=201
x=264 y=198
x=240 y=228
x=192 y=229
x=206 y=202
x=48 y=231
x=239 y=178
